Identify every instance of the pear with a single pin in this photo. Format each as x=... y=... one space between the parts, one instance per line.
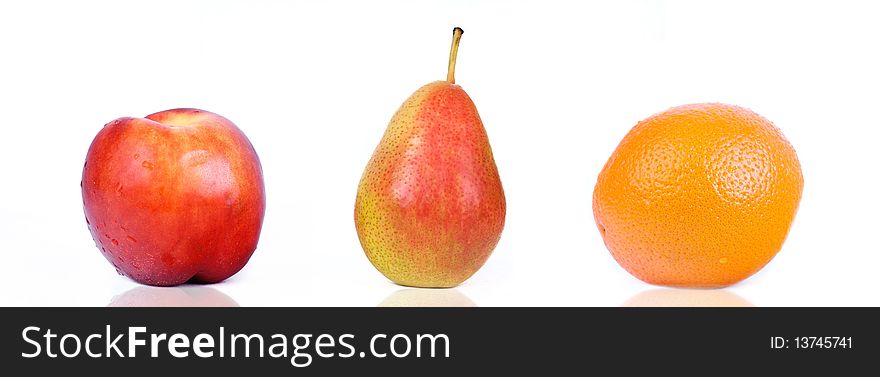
x=430 y=207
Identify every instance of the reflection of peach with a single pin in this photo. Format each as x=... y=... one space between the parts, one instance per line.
x=173 y=297
x=668 y=297
x=414 y=297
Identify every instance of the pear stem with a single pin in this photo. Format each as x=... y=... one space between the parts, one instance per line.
x=453 y=54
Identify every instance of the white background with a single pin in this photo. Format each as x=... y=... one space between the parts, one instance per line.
x=313 y=85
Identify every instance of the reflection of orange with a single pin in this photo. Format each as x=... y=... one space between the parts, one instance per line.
x=700 y=195
x=687 y=298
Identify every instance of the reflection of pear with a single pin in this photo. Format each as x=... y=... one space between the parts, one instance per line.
x=172 y=297
x=411 y=297
x=668 y=297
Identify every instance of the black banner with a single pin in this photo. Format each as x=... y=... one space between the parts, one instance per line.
x=440 y=341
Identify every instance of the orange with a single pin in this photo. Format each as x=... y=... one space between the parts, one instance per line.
x=700 y=195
